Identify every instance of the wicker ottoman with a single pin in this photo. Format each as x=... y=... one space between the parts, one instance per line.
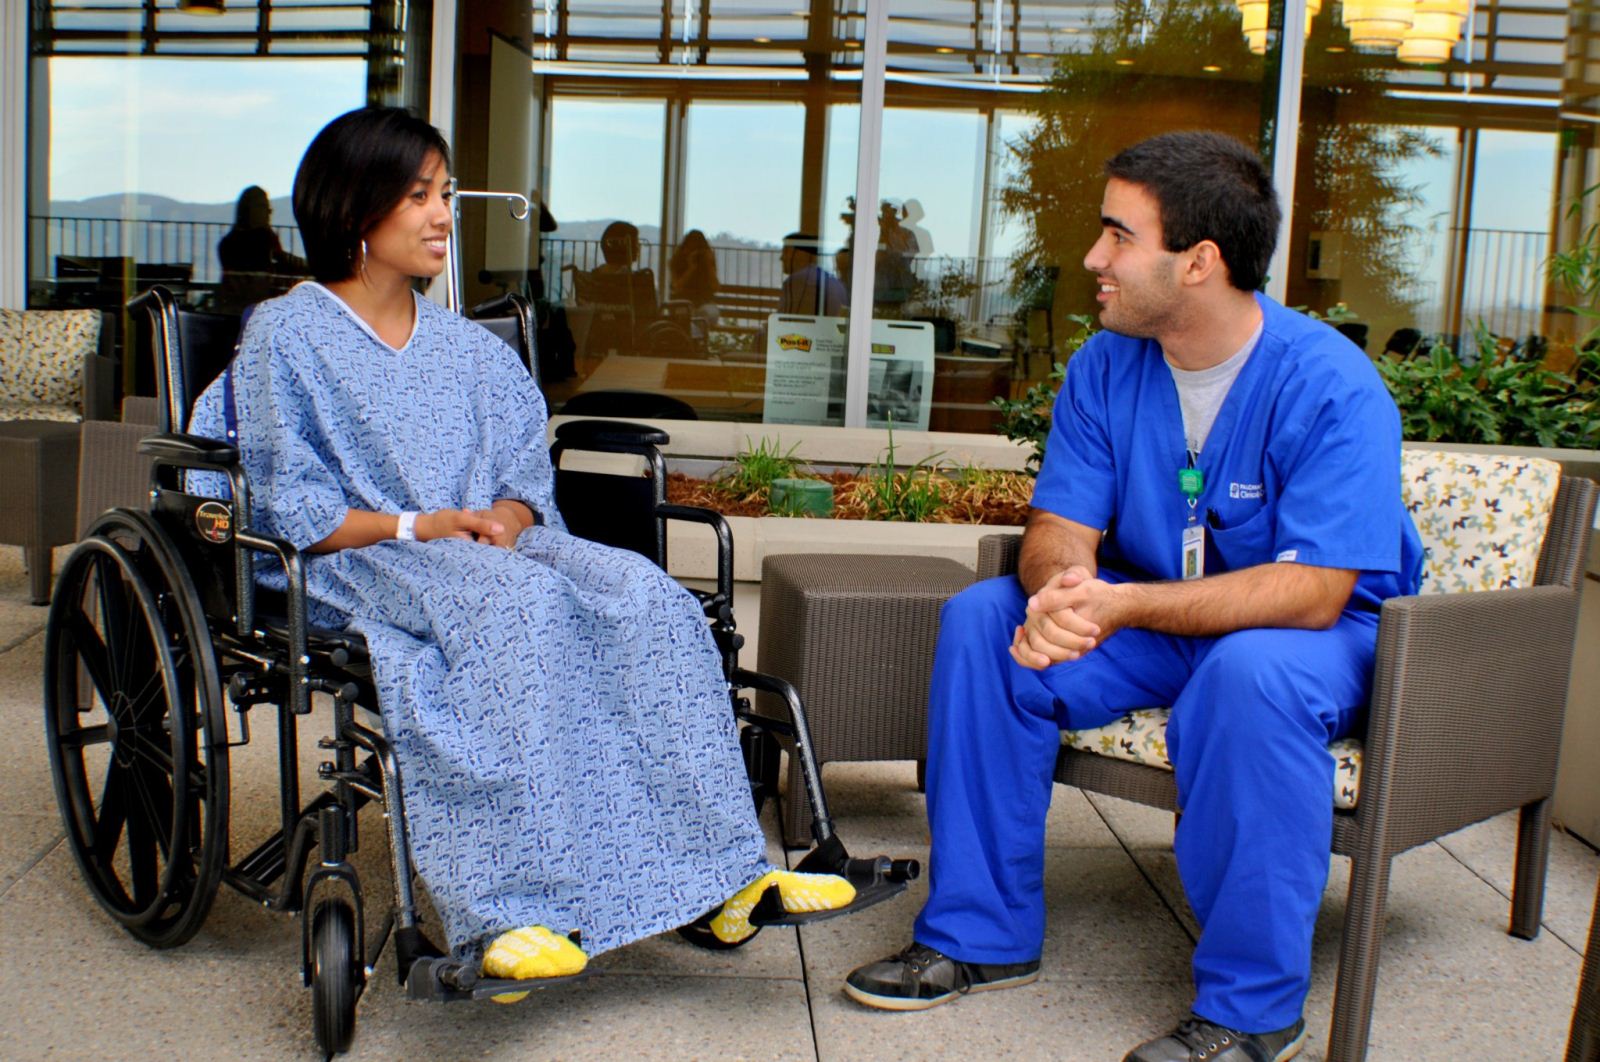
x=38 y=493
x=855 y=636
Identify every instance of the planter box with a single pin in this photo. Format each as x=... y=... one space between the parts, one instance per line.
x=692 y=551
x=699 y=447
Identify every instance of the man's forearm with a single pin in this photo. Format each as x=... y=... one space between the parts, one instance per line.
x=1051 y=545
x=1268 y=595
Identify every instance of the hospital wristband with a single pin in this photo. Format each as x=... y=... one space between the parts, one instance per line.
x=405 y=529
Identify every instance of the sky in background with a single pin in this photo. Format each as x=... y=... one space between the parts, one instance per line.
x=200 y=130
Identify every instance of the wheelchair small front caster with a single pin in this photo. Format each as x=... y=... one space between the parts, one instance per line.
x=335 y=981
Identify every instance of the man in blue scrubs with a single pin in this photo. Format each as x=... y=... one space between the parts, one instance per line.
x=1215 y=527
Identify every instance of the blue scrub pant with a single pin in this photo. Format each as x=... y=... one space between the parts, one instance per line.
x=1252 y=715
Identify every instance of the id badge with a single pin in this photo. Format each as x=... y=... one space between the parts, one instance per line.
x=1194 y=551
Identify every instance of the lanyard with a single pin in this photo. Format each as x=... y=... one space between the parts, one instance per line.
x=1191 y=481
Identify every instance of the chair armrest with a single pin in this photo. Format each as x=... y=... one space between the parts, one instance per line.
x=99 y=387
x=1468 y=696
x=141 y=409
x=112 y=473
x=998 y=555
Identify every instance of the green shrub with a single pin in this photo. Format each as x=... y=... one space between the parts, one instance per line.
x=896 y=495
x=1496 y=399
x=750 y=475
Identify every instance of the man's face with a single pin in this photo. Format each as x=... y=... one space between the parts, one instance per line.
x=1138 y=277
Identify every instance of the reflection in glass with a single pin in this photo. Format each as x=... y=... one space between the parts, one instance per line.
x=1424 y=200
x=1024 y=104
x=694 y=159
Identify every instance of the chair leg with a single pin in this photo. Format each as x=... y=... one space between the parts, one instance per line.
x=1358 y=959
x=1533 y=855
x=38 y=561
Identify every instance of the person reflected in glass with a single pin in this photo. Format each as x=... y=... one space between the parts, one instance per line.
x=557 y=707
x=254 y=263
x=622 y=298
x=897 y=248
x=692 y=276
x=807 y=287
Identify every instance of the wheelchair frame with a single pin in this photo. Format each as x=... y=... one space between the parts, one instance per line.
x=158 y=613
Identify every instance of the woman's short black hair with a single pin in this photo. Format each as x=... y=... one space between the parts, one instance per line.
x=357 y=168
x=1208 y=187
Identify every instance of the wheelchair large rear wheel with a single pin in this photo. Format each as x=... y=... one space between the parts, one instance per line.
x=136 y=731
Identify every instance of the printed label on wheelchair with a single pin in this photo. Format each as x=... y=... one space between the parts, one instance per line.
x=214 y=521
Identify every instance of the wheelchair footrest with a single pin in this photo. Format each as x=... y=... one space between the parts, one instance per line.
x=876 y=879
x=769 y=910
x=445 y=980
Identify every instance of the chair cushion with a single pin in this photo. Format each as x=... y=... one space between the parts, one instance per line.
x=1141 y=737
x=13 y=409
x=1482 y=517
x=42 y=354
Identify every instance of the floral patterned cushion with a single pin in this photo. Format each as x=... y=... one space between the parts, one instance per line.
x=11 y=409
x=1141 y=737
x=1482 y=520
x=42 y=354
x=1482 y=517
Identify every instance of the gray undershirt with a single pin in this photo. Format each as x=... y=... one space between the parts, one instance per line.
x=1201 y=392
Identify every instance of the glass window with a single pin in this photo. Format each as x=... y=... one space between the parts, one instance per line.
x=1021 y=103
x=696 y=160
x=154 y=168
x=1424 y=197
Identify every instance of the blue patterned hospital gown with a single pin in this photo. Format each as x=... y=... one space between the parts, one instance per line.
x=558 y=710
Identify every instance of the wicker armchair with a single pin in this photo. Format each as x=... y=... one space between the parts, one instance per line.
x=56 y=369
x=1460 y=729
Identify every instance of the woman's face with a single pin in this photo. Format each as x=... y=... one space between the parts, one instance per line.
x=410 y=239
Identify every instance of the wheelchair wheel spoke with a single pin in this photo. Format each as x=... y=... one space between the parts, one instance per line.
x=139 y=701
x=142 y=858
x=94 y=654
x=85 y=736
x=113 y=813
x=152 y=756
x=154 y=806
x=116 y=613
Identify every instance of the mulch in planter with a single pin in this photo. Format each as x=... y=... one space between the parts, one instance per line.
x=999 y=500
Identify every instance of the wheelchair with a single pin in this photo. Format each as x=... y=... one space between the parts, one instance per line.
x=158 y=632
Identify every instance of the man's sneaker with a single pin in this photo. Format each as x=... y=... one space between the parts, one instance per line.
x=1198 y=1040
x=920 y=977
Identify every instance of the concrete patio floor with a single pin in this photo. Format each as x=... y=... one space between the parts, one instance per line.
x=1453 y=985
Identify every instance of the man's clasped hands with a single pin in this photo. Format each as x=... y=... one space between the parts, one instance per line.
x=1073 y=612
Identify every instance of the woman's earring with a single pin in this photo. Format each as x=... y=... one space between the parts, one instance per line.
x=363 y=258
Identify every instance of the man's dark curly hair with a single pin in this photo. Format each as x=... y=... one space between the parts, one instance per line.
x=1208 y=187
x=355 y=171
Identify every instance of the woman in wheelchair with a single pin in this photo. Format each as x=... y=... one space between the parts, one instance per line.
x=557 y=707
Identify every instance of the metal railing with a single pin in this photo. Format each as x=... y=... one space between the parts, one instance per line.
x=192 y=243
x=1503 y=281
x=762 y=267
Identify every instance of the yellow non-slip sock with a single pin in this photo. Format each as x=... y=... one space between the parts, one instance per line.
x=800 y=893
x=529 y=953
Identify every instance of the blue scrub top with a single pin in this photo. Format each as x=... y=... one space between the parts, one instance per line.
x=1302 y=463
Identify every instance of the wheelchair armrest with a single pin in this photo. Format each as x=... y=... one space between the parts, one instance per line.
x=591 y=434
x=190 y=451
x=1468 y=695
x=719 y=527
